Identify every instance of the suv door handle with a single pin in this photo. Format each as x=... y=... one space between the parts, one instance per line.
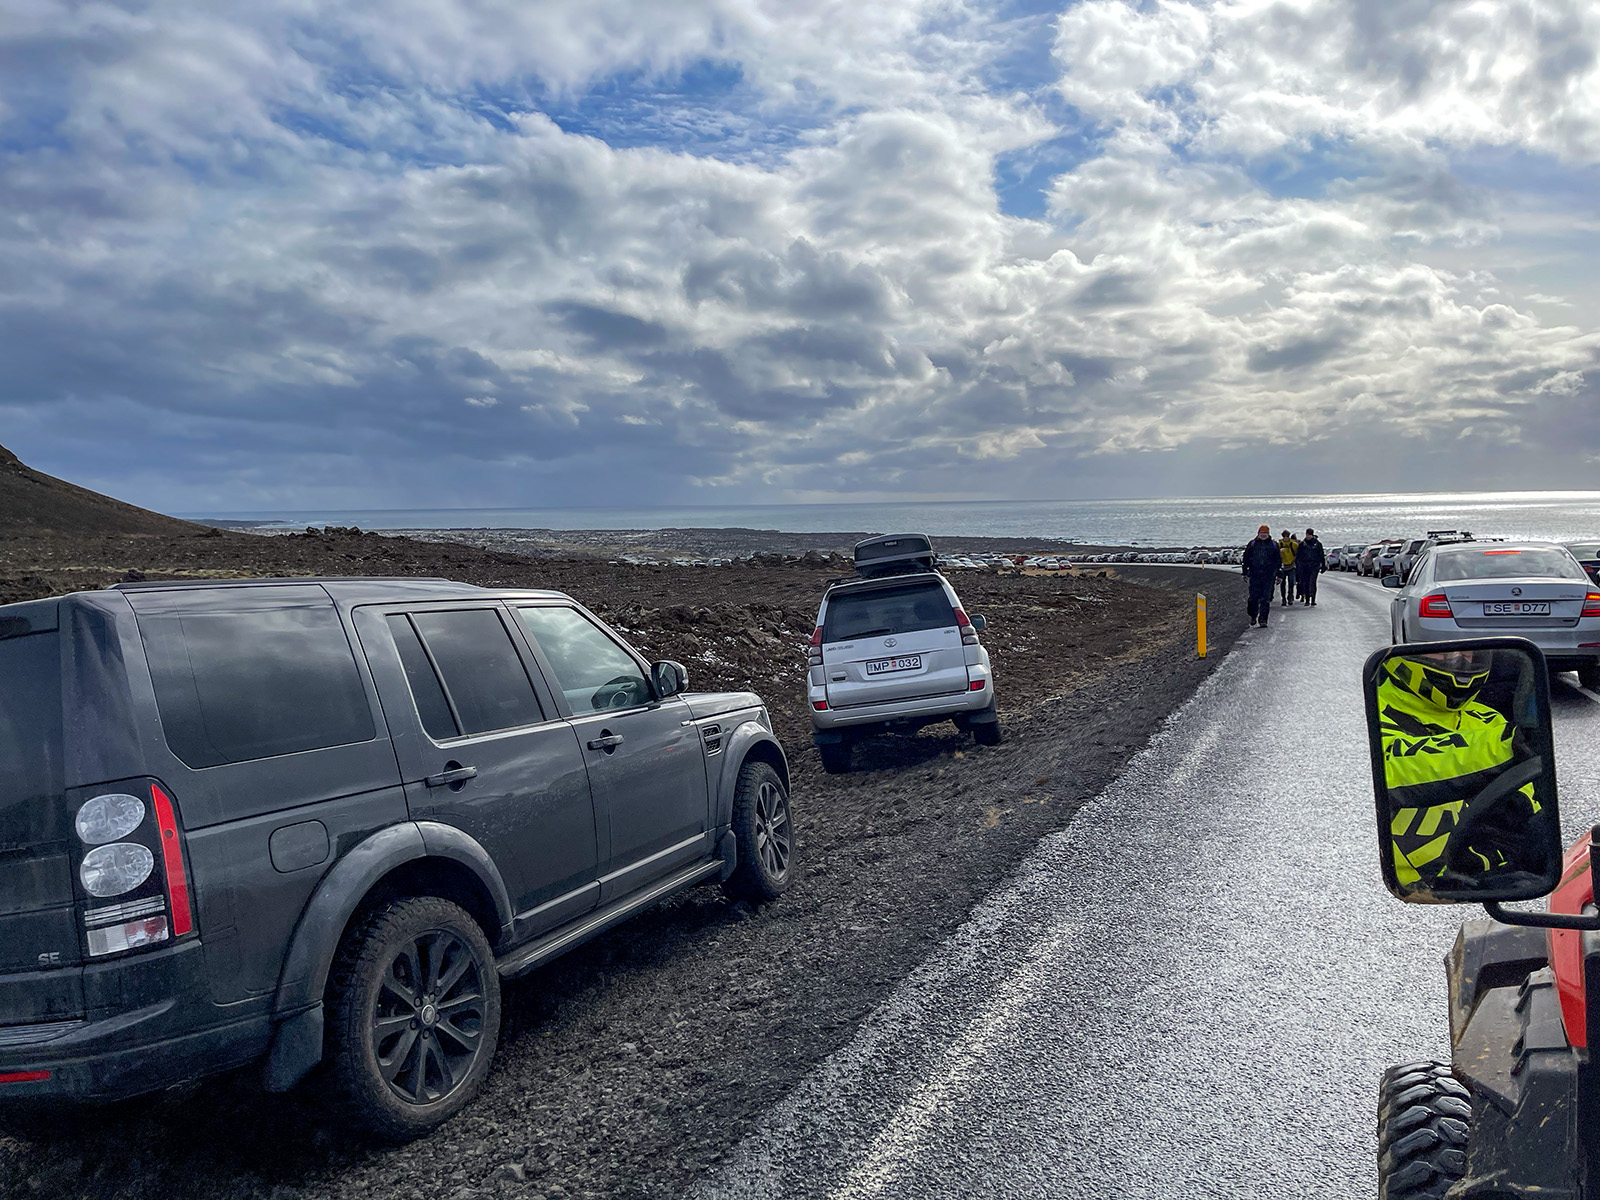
x=452 y=777
x=607 y=742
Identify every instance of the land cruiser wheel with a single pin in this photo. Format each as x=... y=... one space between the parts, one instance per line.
x=835 y=757
x=1424 y=1115
x=986 y=733
x=765 y=835
x=414 y=1016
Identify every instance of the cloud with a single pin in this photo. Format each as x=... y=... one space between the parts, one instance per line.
x=581 y=253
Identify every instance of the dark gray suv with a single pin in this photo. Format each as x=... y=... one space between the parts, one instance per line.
x=299 y=821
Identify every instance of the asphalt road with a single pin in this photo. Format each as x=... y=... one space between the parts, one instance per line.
x=1190 y=992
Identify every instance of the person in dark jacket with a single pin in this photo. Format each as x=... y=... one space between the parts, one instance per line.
x=1310 y=561
x=1261 y=563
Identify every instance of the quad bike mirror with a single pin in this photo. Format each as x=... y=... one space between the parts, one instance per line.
x=1463 y=769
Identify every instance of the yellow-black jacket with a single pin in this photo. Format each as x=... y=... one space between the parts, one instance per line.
x=1287 y=549
x=1435 y=759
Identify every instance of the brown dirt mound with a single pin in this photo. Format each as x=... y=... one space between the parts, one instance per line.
x=32 y=502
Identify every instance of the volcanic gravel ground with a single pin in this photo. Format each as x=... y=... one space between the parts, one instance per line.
x=631 y=1064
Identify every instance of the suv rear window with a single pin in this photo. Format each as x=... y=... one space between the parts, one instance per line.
x=236 y=686
x=30 y=725
x=1455 y=565
x=881 y=612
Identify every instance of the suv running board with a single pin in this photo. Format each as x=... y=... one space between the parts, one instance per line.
x=525 y=958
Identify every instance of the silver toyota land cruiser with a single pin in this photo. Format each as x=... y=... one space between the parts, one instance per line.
x=893 y=649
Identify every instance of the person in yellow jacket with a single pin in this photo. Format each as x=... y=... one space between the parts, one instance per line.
x=1288 y=547
x=1443 y=748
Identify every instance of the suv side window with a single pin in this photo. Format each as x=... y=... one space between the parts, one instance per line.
x=485 y=685
x=236 y=686
x=426 y=690
x=593 y=672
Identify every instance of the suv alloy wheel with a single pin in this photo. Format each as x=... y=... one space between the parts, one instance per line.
x=415 y=1016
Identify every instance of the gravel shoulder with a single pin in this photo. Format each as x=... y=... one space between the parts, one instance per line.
x=628 y=1067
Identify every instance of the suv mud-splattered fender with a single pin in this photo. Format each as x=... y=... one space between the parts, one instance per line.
x=297 y=1007
x=747 y=738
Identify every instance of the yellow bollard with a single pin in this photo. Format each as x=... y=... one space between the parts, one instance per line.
x=1200 y=621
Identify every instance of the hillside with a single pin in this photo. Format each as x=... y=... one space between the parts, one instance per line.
x=32 y=502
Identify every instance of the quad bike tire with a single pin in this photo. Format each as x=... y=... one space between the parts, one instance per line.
x=1424 y=1120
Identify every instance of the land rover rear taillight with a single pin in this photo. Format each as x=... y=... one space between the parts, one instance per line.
x=131 y=876
x=814 y=648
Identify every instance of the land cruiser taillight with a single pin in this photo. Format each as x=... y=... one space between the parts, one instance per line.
x=1591 y=605
x=814 y=648
x=1436 y=605
x=969 y=635
x=131 y=871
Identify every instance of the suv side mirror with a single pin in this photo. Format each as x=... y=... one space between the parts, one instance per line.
x=668 y=678
x=1463 y=769
x=1390 y=581
x=979 y=624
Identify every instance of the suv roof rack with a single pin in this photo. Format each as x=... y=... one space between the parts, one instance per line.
x=269 y=580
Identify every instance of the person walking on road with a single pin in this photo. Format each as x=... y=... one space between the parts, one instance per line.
x=1310 y=560
x=1288 y=547
x=1261 y=563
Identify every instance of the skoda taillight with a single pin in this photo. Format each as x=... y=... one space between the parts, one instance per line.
x=1591 y=605
x=131 y=871
x=1436 y=605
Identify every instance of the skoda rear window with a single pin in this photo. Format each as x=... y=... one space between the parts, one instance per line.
x=232 y=686
x=30 y=724
x=1457 y=565
x=881 y=612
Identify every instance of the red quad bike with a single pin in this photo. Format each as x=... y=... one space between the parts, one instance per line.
x=1513 y=1113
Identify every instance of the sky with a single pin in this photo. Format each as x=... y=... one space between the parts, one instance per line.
x=622 y=253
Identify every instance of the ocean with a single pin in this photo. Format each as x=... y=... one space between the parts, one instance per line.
x=1192 y=521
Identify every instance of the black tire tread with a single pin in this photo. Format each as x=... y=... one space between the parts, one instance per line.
x=364 y=944
x=1424 y=1122
x=987 y=733
x=835 y=757
x=749 y=881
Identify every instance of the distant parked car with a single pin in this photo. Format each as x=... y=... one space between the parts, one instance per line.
x=1369 y=558
x=1588 y=556
x=1534 y=590
x=1388 y=561
x=1408 y=555
x=1351 y=560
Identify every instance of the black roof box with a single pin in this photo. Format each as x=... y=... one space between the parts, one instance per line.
x=893 y=554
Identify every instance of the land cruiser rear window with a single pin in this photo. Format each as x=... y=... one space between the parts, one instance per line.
x=881 y=612
x=236 y=686
x=30 y=725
